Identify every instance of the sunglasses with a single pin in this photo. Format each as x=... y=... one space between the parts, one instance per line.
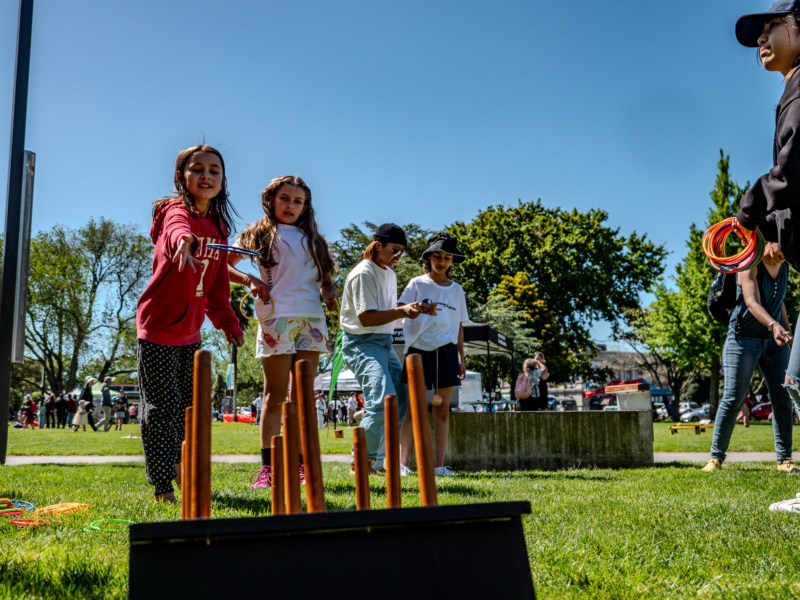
x=399 y=253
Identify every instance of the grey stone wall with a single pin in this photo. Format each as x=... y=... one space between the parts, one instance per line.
x=549 y=440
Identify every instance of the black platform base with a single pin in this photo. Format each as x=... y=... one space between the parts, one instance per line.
x=464 y=551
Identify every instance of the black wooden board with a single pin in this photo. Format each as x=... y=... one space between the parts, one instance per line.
x=461 y=551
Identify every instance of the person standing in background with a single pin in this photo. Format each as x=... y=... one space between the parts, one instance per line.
x=61 y=411
x=88 y=397
x=72 y=409
x=106 y=405
x=536 y=370
x=259 y=404
x=120 y=408
x=50 y=412
x=541 y=401
x=320 y=412
x=351 y=409
x=42 y=413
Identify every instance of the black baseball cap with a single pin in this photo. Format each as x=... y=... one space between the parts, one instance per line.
x=443 y=242
x=749 y=27
x=389 y=233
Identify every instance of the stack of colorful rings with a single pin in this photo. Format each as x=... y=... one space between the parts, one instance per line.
x=714 y=248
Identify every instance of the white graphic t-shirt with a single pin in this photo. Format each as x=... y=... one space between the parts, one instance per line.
x=428 y=332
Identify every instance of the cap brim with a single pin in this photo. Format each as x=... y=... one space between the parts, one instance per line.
x=749 y=27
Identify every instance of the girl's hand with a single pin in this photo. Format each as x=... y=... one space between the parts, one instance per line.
x=426 y=308
x=236 y=340
x=781 y=336
x=412 y=310
x=258 y=289
x=463 y=369
x=183 y=255
x=329 y=296
x=743 y=233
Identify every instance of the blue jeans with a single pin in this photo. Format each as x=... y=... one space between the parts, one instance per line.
x=739 y=359
x=373 y=361
x=258 y=417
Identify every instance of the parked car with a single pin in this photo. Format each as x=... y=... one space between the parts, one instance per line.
x=660 y=411
x=693 y=416
x=552 y=403
x=687 y=406
x=761 y=412
x=795 y=415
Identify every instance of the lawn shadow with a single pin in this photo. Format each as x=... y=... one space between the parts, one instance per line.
x=676 y=465
x=588 y=474
x=257 y=506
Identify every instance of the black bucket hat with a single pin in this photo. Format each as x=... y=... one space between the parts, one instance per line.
x=443 y=242
x=749 y=27
x=389 y=233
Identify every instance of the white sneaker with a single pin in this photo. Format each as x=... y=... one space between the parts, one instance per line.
x=405 y=471
x=447 y=472
x=786 y=506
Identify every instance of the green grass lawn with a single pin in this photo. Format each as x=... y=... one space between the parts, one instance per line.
x=756 y=438
x=233 y=438
x=664 y=532
x=226 y=438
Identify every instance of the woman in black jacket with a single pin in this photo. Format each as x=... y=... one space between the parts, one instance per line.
x=772 y=204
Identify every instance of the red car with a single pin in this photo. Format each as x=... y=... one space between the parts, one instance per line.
x=761 y=412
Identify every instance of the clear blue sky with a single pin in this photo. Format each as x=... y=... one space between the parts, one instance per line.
x=413 y=111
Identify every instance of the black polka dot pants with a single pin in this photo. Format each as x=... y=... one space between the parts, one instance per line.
x=166 y=377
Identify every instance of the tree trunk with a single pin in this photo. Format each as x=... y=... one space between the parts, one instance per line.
x=713 y=394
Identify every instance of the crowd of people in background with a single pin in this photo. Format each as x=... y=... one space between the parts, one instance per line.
x=77 y=410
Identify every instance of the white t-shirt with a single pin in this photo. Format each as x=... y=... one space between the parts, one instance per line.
x=259 y=401
x=427 y=332
x=352 y=404
x=295 y=287
x=368 y=287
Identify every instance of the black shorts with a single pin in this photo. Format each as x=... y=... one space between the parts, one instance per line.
x=532 y=403
x=449 y=371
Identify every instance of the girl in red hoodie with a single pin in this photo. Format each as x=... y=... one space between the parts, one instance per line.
x=190 y=281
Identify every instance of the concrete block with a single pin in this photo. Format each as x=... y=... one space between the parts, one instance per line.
x=634 y=401
x=507 y=441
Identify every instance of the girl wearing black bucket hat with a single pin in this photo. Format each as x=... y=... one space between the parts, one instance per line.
x=438 y=339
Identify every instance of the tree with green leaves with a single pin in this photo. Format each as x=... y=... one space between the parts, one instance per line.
x=83 y=287
x=508 y=318
x=694 y=274
x=666 y=339
x=584 y=270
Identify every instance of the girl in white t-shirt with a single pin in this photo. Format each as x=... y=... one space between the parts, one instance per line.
x=439 y=339
x=296 y=267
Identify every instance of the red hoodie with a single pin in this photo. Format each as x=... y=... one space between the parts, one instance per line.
x=172 y=308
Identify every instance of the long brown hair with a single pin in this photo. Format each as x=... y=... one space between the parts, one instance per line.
x=260 y=236
x=221 y=208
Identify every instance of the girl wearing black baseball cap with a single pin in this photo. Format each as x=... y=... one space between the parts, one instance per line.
x=772 y=204
x=369 y=310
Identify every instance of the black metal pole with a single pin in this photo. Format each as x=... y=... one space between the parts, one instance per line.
x=19 y=114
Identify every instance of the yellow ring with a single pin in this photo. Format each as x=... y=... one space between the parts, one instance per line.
x=241 y=308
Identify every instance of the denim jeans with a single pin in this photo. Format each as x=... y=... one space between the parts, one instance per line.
x=739 y=359
x=373 y=361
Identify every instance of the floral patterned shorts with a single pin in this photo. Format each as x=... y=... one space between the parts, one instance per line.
x=287 y=335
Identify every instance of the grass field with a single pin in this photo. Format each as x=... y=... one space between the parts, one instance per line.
x=665 y=532
x=232 y=438
x=756 y=438
x=226 y=438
